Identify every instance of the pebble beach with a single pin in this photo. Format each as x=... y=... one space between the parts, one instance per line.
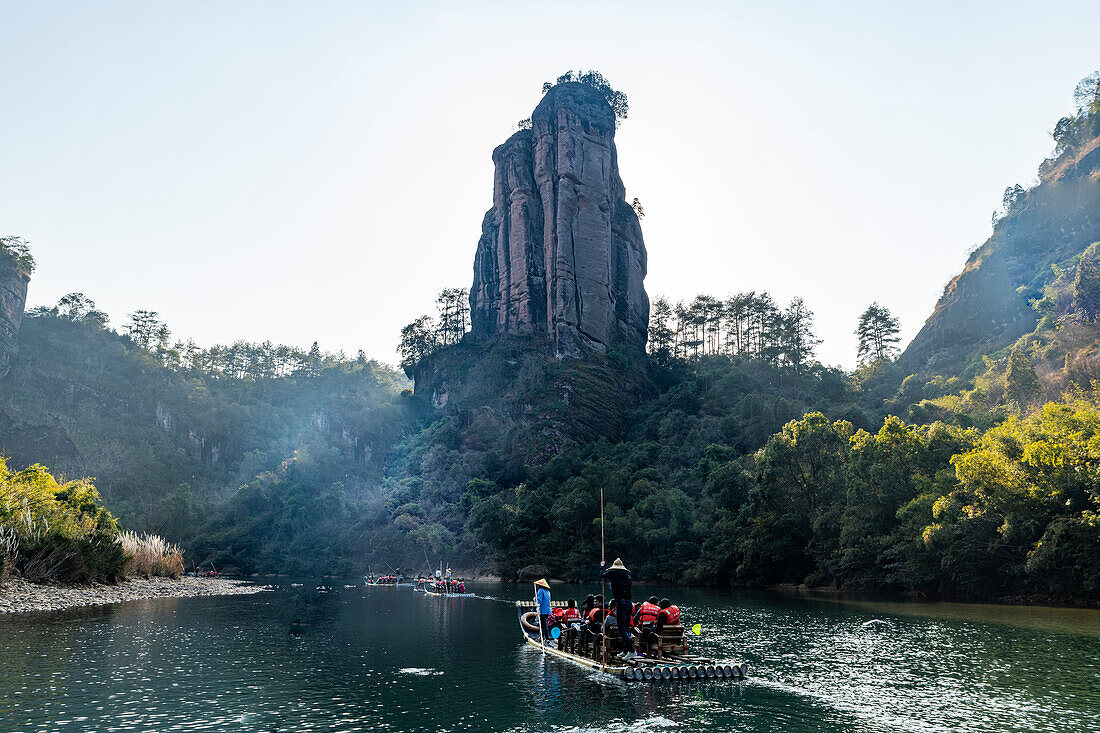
x=17 y=595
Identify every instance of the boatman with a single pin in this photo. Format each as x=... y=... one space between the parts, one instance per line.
x=542 y=600
x=619 y=578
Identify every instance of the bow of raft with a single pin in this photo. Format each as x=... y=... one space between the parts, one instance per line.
x=666 y=665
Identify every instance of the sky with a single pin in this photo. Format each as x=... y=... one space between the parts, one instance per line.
x=304 y=171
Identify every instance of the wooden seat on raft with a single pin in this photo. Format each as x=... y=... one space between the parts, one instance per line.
x=670 y=640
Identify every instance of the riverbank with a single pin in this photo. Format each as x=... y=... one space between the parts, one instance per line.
x=17 y=595
x=823 y=591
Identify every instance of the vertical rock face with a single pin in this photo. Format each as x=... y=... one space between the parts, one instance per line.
x=561 y=252
x=13 y=296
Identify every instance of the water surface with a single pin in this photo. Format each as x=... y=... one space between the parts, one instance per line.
x=353 y=658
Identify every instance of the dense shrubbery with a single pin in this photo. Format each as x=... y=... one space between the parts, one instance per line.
x=55 y=531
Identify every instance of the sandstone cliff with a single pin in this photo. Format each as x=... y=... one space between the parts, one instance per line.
x=561 y=254
x=13 y=296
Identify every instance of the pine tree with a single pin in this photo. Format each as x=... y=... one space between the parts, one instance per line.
x=660 y=329
x=798 y=341
x=878 y=335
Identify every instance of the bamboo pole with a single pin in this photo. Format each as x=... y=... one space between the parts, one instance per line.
x=603 y=611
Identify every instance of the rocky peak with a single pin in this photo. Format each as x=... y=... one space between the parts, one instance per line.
x=13 y=297
x=561 y=252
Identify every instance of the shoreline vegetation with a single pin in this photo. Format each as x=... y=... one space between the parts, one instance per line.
x=60 y=548
x=18 y=595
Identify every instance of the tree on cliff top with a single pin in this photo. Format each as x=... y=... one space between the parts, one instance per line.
x=616 y=99
x=16 y=253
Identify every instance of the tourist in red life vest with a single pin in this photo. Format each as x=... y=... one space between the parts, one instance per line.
x=645 y=617
x=669 y=614
x=593 y=623
x=570 y=613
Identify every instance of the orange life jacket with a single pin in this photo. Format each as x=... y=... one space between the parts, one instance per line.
x=596 y=614
x=671 y=614
x=570 y=613
x=647 y=613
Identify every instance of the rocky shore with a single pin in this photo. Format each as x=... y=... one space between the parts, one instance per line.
x=18 y=595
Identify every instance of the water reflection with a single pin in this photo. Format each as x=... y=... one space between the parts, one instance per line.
x=358 y=658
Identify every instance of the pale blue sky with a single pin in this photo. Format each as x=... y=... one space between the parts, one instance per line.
x=319 y=171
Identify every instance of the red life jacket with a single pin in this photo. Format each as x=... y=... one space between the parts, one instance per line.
x=570 y=613
x=557 y=612
x=647 y=613
x=671 y=614
x=596 y=614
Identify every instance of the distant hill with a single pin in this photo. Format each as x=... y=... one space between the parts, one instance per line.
x=1044 y=231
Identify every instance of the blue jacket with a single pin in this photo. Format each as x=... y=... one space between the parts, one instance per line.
x=542 y=598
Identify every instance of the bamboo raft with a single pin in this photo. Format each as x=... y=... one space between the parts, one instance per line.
x=433 y=591
x=670 y=662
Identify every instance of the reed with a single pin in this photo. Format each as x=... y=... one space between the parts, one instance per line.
x=9 y=549
x=150 y=556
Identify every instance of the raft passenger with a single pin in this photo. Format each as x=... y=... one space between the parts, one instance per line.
x=669 y=615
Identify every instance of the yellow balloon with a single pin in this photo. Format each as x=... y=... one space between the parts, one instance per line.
x=697 y=629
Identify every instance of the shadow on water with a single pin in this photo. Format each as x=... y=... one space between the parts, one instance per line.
x=340 y=656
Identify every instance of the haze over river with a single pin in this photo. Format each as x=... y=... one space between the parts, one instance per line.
x=356 y=658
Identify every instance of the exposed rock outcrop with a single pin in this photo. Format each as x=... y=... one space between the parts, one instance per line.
x=13 y=297
x=561 y=252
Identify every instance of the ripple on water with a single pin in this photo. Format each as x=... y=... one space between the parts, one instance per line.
x=351 y=659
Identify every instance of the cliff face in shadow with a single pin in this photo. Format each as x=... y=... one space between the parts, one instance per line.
x=561 y=255
x=13 y=297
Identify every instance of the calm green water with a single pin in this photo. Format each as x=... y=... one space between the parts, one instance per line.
x=388 y=659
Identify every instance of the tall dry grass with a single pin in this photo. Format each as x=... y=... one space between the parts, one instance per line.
x=9 y=548
x=150 y=556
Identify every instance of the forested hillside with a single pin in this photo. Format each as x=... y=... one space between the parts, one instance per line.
x=254 y=456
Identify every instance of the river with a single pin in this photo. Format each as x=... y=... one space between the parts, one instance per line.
x=356 y=658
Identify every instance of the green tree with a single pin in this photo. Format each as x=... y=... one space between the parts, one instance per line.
x=878 y=335
x=1086 y=95
x=1021 y=383
x=615 y=99
x=15 y=253
x=798 y=339
x=418 y=339
x=147 y=330
x=660 y=330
